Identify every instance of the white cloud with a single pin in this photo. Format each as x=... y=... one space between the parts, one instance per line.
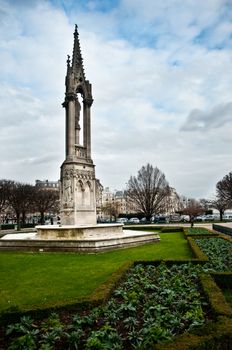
x=148 y=73
x=217 y=117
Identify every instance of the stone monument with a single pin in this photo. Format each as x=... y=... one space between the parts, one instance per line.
x=78 y=230
x=77 y=178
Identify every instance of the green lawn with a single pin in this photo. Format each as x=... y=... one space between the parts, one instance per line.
x=32 y=280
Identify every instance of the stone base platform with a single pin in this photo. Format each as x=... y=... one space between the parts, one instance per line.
x=80 y=232
x=77 y=239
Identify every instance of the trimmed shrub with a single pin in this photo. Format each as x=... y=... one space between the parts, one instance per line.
x=199 y=231
x=171 y=229
x=196 y=250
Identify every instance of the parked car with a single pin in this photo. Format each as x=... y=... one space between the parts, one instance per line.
x=199 y=218
x=175 y=218
x=122 y=220
x=227 y=217
x=184 y=218
x=161 y=219
x=144 y=220
x=208 y=217
x=134 y=221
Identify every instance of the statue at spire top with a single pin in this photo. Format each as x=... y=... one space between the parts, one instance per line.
x=76 y=30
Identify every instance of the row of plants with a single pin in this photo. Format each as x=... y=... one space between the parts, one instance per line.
x=218 y=251
x=151 y=304
x=199 y=231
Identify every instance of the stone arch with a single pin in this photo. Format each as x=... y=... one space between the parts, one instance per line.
x=88 y=193
x=80 y=193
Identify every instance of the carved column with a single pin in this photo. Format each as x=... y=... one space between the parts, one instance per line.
x=87 y=126
x=70 y=125
x=77 y=121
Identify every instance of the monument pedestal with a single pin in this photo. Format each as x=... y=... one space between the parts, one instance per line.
x=89 y=239
x=80 y=232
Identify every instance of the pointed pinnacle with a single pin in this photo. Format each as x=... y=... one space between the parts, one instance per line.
x=76 y=30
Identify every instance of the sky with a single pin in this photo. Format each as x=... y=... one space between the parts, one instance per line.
x=161 y=75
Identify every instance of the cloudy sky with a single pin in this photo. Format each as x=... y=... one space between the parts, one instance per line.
x=161 y=73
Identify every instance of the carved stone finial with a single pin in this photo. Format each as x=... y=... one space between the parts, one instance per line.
x=76 y=30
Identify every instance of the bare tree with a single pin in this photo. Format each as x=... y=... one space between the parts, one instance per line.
x=148 y=191
x=220 y=205
x=5 y=187
x=205 y=203
x=46 y=200
x=21 y=200
x=193 y=209
x=112 y=209
x=224 y=189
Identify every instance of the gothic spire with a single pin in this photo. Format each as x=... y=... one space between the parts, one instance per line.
x=77 y=61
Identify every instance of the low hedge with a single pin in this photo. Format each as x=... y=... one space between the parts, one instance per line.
x=199 y=232
x=196 y=250
x=168 y=262
x=227 y=238
x=214 y=295
x=29 y=225
x=7 y=226
x=12 y=226
x=217 y=335
x=163 y=229
x=142 y=227
x=171 y=229
x=214 y=335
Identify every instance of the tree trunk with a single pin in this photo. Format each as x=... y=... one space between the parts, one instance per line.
x=23 y=217
x=18 y=221
x=42 y=218
x=191 y=221
x=221 y=214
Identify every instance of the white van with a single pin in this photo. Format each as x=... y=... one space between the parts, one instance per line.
x=227 y=217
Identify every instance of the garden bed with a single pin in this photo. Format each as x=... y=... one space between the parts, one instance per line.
x=151 y=304
x=156 y=305
x=218 y=251
x=199 y=231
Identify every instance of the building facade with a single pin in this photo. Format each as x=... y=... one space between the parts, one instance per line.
x=47 y=184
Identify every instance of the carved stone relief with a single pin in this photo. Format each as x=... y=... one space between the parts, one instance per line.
x=68 y=190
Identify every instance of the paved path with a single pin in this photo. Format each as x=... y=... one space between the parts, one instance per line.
x=226 y=224
x=178 y=224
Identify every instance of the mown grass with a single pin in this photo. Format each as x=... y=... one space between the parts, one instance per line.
x=39 y=280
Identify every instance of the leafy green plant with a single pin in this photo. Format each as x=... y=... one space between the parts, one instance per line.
x=25 y=334
x=74 y=338
x=218 y=250
x=151 y=304
x=24 y=342
x=53 y=321
x=105 y=338
x=198 y=231
x=52 y=336
x=24 y=326
x=46 y=347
